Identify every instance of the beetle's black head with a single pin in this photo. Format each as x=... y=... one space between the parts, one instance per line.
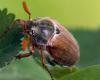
x=41 y=29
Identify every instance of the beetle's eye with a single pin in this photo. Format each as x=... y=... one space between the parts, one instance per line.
x=31 y=32
x=34 y=30
x=57 y=31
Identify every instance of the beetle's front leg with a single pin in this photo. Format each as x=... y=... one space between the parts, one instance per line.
x=19 y=56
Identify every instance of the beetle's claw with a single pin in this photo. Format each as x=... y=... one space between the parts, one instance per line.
x=19 y=56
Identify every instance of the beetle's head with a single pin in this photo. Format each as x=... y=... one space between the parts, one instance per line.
x=41 y=29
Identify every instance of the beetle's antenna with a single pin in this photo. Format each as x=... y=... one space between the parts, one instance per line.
x=26 y=9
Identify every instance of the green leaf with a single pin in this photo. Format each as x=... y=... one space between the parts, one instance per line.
x=88 y=73
x=24 y=69
x=59 y=72
x=9 y=42
x=5 y=19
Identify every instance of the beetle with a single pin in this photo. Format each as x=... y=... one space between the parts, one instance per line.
x=47 y=34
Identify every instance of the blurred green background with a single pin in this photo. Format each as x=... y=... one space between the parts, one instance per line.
x=68 y=12
x=81 y=17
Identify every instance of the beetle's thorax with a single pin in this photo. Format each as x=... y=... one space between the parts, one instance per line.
x=41 y=30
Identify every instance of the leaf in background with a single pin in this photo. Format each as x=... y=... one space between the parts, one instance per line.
x=89 y=41
x=88 y=73
x=10 y=42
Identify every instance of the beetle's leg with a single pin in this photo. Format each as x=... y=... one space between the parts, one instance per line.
x=43 y=63
x=19 y=56
x=27 y=54
x=31 y=45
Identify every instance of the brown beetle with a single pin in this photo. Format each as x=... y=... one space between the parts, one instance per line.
x=49 y=35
